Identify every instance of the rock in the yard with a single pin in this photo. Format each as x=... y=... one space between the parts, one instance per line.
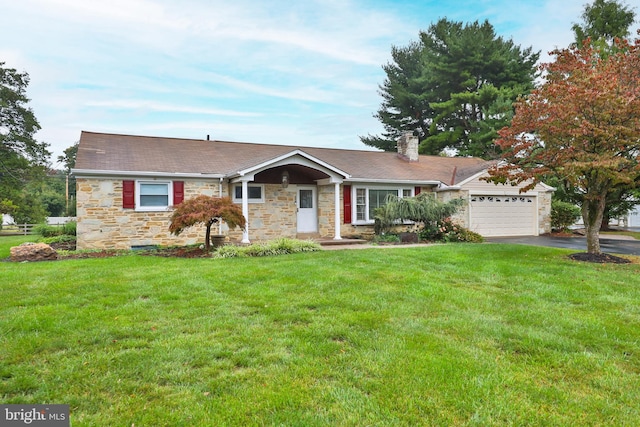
x=33 y=252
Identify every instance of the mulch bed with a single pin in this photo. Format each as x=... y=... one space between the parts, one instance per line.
x=599 y=258
x=178 y=252
x=173 y=252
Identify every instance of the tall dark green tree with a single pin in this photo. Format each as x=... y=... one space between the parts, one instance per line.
x=454 y=89
x=603 y=22
x=69 y=162
x=22 y=158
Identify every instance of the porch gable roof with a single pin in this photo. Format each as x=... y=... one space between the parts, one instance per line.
x=294 y=157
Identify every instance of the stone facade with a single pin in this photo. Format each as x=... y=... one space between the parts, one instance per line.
x=326 y=210
x=407 y=147
x=544 y=212
x=274 y=218
x=104 y=224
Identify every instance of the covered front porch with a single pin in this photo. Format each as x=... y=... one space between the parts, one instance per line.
x=293 y=196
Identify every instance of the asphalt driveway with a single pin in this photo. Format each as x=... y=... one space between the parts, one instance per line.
x=620 y=245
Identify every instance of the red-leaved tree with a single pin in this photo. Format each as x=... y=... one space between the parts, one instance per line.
x=581 y=124
x=206 y=210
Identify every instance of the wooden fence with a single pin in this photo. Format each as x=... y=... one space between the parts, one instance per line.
x=17 y=229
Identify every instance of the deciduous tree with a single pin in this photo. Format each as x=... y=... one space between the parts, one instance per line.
x=22 y=158
x=582 y=124
x=206 y=210
x=603 y=22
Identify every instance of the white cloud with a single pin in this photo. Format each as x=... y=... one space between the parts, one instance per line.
x=164 y=107
x=264 y=71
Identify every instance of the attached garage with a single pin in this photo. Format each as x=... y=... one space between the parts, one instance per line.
x=501 y=210
x=491 y=215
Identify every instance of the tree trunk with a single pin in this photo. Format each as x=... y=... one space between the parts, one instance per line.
x=606 y=218
x=592 y=213
x=207 y=237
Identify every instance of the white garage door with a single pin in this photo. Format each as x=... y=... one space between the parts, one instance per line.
x=503 y=215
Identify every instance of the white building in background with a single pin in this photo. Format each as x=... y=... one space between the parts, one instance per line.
x=7 y=219
x=633 y=219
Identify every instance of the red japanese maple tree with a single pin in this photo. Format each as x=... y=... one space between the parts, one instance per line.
x=206 y=210
x=582 y=124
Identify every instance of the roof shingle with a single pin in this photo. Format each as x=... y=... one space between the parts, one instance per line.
x=113 y=152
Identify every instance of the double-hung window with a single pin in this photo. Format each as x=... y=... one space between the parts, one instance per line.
x=151 y=195
x=154 y=195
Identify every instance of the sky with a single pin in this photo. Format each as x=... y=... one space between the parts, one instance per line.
x=266 y=71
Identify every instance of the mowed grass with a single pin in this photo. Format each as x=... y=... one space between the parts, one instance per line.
x=456 y=334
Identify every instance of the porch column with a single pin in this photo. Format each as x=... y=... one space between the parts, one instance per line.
x=337 y=211
x=245 y=211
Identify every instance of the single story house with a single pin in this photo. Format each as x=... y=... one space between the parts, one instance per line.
x=126 y=186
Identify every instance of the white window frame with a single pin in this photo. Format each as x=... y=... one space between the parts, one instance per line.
x=140 y=208
x=255 y=200
x=354 y=197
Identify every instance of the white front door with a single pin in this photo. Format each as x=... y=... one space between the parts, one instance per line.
x=307 y=210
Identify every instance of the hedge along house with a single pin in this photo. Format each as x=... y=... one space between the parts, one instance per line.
x=126 y=186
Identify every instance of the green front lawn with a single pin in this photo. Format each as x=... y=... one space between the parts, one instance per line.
x=459 y=334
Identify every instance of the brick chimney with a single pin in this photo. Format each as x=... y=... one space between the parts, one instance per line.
x=408 y=147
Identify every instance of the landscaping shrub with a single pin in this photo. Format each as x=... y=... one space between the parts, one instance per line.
x=69 y=228
x=386 y=238
x=276 y=247
x=63 y=238
x=448 y=231
x=46 y=230
x=563 y=215
x=422 y=209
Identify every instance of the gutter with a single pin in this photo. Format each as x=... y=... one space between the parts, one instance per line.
x=86 y=173
x=388 y=181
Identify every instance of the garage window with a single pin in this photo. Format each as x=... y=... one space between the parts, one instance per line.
x=494 y=199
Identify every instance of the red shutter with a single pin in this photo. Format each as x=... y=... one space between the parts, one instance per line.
x=346 y=200
x=178 y=192
x=417 y=191
x=128 y=194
